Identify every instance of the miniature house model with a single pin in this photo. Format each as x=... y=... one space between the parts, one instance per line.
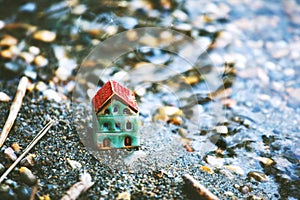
x=117 y=117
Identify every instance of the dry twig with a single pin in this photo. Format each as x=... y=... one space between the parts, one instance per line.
x=28 y=148
x=83 y=185
x=14 y=109
x=198 y=189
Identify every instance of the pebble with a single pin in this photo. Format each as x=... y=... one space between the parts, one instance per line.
x=124 y=196
x=79 y=9
x=53 y=95
x=45 y=197
x=16 y=147
x=183 y=132
x=128 y=22
x=245 y=189
x=28 y=57
x=4 y=97
x=28 y=161
x=227 y=173
x=265 y=161
x=131 y=35
x=235 y=169
x=214 y=161
x=27 y=176
x=261 y=177
x=8 y=40
x=222 y=129
x=74 y=164
x=41 y=86
x=41 y=61
x=28 y=7
x=44 y=36
x=206 y=169
x=34 y=50
x=10 y=53
x=10 y=153
x=149 y=40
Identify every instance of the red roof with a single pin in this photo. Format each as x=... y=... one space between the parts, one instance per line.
x=108 y=90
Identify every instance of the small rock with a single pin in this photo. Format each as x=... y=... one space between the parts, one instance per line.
x=182 y=132
x=214 y=161
x=34 y=50
x=74 y=164
x=28 y=161
x=245 y=189
x=27 y=57
x=10 y=53
x=8 y=40
x=4 y=97
x=149 y=40
x=41 y=61
x=222 y=129
x=27 y=176
x=258 y=176
x=10 y=153
x=128 y=22
x=124 y=196
x=79 y=9
x=45 y=197
x=235 y=169
x=16 y=147
x=207 y=169
x=265 y=161
x=28 y=7
x=227 y=173
x=44 y=35
x=53 y=95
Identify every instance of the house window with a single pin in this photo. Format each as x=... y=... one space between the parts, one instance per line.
x=126 y=111
x=116 y=109
x=118 y=126
x=106 y=142
x=105 y=126
x=128 y=125
x=106 y=111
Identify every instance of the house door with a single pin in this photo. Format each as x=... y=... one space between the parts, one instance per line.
x=127 y=141
x=106 y=142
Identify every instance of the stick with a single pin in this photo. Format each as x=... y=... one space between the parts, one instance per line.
x=28 y=148
x=83 y=185
x=14 y=109
x=201 y=191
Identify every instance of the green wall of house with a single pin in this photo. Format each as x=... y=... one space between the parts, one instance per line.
x=117 y=123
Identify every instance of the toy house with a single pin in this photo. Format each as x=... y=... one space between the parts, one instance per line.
x=117 y=117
